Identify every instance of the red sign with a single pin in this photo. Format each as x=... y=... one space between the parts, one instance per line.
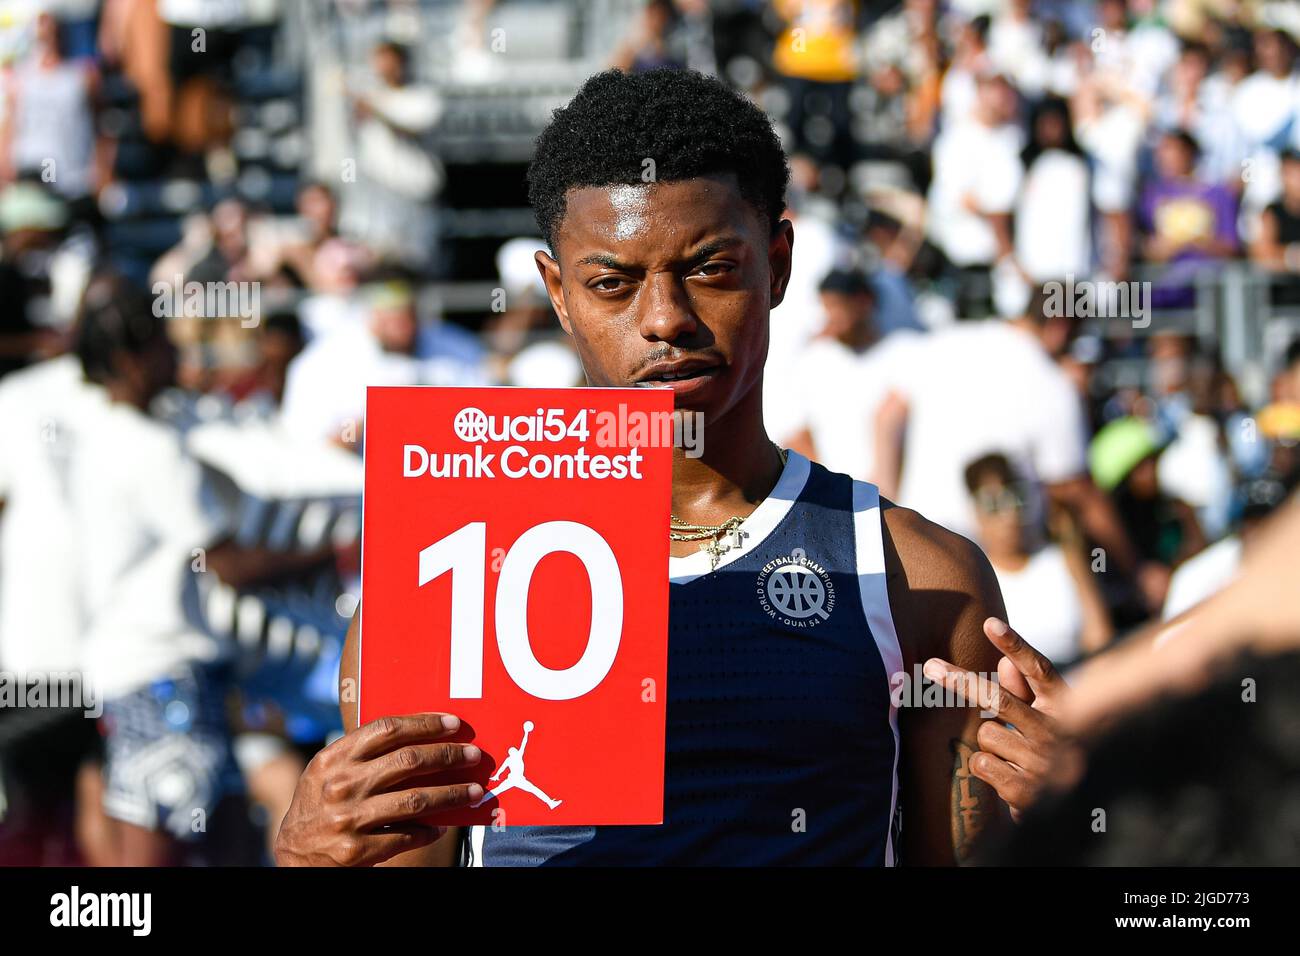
x=515 y=573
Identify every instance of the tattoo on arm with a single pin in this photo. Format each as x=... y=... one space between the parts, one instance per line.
x=973 y=802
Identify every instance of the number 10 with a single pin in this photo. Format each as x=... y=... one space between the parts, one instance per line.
x=464 y=552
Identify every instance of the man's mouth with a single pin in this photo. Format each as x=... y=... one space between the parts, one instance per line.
x=668 y=373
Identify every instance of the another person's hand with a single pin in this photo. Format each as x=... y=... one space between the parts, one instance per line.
x=358 y=802
x=1021 y=740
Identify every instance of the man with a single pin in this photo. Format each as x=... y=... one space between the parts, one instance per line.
x=390 y=205
x=325 y=387
x=1276 y=245
x=46 y=753
x=846 y=379
x=977 y=176
x=147 y=518
x=995 y=386
x=780 y=749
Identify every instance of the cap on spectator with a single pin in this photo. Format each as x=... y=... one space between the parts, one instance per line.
x=1118 y=448
x=393 y=294
x=518 y=269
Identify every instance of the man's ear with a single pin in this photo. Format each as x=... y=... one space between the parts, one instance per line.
x=550 y=272
x=780 y=255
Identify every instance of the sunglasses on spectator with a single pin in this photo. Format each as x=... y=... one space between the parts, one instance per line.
x=991 y=501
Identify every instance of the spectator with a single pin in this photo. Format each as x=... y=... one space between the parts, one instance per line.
x=847 y=375
x=816 y=58
x=1276 y=246
x=397 y=176
x=976 y=177
x=959 y=92
x=1052 y=599
x=1183 y=218
x=1264 y=107
x=34 y=224
x=48 y=129
x=148 y=518
x=1184 y=221
x=960 y=408
x=1164 y=529
x=325 y=390
x=655 y=41
x=1017 y=48
x=1053 y=226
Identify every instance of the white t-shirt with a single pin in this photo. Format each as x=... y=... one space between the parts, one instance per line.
x=1202 y=575
x=981 y=161
x=42 y=410
x=817 y=250
x=1112 y=140
x=142 y=506
x=1043 y=605
x=1262 y=104
x=974 y=389
x=838 y=392
x=1052 y=233
x=326 y=385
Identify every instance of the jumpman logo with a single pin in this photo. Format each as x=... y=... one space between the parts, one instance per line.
x=515 y=764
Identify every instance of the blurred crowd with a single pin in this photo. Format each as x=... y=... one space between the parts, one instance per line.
x=205 y=261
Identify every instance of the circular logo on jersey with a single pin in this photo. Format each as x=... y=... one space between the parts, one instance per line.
x=795 y=590
x=471 y=424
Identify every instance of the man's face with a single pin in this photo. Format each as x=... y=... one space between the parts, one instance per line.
x=394 y=327
x=387 y=66
x=669 y=284
x=1273 y=53
x=1173 y=159
x=846 y=315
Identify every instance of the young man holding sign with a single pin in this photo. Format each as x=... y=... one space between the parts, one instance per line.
x=800 y=603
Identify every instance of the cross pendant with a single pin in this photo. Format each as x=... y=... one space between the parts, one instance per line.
x=713 y=550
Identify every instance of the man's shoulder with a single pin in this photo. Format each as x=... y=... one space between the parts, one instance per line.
x=926 y=551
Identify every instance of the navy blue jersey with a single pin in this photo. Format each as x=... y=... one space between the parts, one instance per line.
x=782 y=741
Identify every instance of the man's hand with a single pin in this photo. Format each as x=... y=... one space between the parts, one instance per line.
x=357 y=803
x=1020 y=742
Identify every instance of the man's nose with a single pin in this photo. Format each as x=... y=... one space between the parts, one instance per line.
x=667 y=314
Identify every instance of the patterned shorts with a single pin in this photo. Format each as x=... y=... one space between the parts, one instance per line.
x=168 y=755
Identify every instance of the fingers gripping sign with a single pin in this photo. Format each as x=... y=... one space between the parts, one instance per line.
x=361 y=799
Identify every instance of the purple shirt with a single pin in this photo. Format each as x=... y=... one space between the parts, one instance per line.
x=1184 y=210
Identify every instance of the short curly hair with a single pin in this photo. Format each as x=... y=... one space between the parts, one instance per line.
x=689 y=124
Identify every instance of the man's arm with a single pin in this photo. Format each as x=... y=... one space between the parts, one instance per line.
x=941 y=589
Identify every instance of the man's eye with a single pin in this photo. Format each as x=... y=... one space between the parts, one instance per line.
x=608 y=284
x=715 y=268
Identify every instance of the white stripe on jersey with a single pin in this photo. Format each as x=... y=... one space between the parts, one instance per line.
x=870 y=546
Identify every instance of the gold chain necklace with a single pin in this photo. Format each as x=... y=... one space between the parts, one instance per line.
x=679 y=530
